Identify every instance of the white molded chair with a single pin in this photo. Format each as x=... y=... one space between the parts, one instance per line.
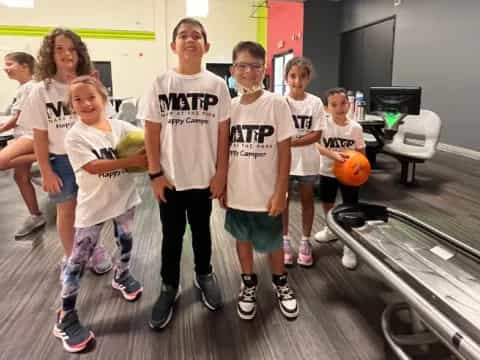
x=128 y=111
x=415 y=141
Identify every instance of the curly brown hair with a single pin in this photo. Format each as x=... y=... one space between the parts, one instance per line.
x=47 y=68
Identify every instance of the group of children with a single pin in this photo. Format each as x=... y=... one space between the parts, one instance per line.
x=199 y=145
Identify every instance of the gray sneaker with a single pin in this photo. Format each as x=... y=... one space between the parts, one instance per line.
x=211 y=293
x=31 y=223
x=163 y=308
x=75 y=337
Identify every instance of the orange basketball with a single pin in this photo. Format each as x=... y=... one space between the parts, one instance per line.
x=354 y=171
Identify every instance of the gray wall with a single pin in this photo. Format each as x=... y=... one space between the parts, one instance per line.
x=437 y=46
x=321 y=42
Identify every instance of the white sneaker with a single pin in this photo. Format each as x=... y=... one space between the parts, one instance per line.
x=287 y=300
x=31 y=223
x=325 y=235
x=36 y=180
x=349 y=259
x=247 y=299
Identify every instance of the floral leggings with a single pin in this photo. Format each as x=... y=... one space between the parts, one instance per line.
x=84 y=242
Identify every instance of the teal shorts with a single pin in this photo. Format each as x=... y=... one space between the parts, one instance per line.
x=262 y=230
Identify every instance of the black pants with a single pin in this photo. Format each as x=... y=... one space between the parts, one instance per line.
x=196 y=206
x=329 y=187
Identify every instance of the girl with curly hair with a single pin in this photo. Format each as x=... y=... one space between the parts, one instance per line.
x=62 y=57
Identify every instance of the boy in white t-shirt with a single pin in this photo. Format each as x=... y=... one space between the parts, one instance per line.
x=261 y=128
x=186 y=112
x=340 y=134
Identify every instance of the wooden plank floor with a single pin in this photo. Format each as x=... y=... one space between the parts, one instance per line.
x=340 y=310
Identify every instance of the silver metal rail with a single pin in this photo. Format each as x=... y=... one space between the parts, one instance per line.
x=455 y=338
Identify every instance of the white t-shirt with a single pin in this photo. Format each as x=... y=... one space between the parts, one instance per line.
x=189 y=109
x=255 y=131
x=21 y=95
x=338 y=138
x=102 y=196
x=308 y=116
x=46 y=109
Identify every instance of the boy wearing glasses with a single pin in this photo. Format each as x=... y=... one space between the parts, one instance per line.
x=186 y=112
x=259 y=165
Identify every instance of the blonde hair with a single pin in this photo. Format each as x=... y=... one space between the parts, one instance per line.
x=88 y=80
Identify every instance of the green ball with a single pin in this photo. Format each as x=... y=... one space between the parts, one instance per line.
x=131 y=144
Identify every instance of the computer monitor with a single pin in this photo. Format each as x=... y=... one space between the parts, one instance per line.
x=395 y=102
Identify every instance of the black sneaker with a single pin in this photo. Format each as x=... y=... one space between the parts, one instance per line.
x=247 y=300
x=75 y=337
x=163 y=309
x=130 y=288
x=286 y=297
x=211 y=293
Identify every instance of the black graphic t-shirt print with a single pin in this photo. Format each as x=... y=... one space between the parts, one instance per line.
x=338 y=143
x=57 y=113
x=107 y=154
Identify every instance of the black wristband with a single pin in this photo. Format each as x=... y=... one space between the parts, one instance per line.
x=156 y=175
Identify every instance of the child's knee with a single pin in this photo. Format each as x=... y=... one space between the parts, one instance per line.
x=4 y=163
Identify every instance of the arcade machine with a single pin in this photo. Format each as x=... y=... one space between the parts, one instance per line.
x=390 y=105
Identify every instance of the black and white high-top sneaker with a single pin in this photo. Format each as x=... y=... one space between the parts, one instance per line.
x=287 y=300
x=247 y=301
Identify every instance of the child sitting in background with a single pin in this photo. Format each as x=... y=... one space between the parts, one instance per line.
x=19 y=154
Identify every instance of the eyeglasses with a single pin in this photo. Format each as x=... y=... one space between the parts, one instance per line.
x=253 y=66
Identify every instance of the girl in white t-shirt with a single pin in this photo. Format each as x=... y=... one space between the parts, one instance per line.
x=18 y=154
x=340 y=134
x=308 y=119
x=105 y=192
x=62 y=57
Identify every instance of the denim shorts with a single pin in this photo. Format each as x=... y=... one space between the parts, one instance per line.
x=62 y=167
x=262 y=230
x=305 y=179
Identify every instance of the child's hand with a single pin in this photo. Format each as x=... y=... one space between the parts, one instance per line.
x=158 y=187
x=140 y=159
x=223 y=200
x=217 y=185
x=339 y=156
x=51 y=183
x=276 y=204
